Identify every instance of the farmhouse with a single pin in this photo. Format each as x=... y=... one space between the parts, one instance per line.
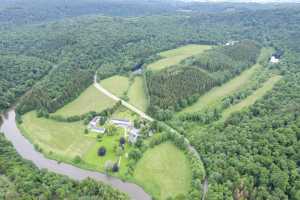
x=121 y=123
x=93 y=125
x=133 y=135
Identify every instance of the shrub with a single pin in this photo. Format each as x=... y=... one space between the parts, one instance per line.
x=115 y=167
x=122 y=141
x=101 y=151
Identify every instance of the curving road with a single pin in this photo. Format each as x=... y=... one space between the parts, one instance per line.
x=145 y=116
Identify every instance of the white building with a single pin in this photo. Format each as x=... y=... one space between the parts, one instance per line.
x=274 y=60
x=121 y=123
x=93 y=125
x=133 y=135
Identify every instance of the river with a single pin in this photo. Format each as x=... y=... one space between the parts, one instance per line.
x=28 y=152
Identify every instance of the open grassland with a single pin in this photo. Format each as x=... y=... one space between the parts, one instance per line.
x=62 y=139
x=175 y=56
x=117 y=85
x=164 y=171
x=250 y=100
x=90 y=100
x=215 y=95
x=136 y=94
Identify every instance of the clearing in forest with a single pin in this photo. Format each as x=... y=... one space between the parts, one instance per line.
x=175 y=56
x=250 y=100
x=160 y=174
x=117 y=85
x=89 y=100
x=136 y=94
x=215 y=95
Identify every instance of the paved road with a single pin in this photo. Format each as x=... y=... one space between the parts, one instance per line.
x=124 y=103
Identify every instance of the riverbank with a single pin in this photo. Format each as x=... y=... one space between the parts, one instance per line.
x=28 y=152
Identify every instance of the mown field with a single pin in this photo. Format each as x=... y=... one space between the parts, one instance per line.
x=250 y=100
x=175 y=56
x=117 y=85
x=164 y=171
x=136 y=94
x=215 y=95
x=90 y=100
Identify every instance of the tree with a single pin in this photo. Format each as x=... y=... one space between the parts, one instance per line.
x=122 y=141
x=101 y=151
x=115 y=167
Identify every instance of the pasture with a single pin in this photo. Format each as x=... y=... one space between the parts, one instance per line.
x=89 y=100
x=117 y=85
x=215 y=95
x=175 y=56
x=160 y=173
x=136 y=94
x=250 y=100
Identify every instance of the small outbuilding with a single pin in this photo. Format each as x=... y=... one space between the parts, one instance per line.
x=133 y=135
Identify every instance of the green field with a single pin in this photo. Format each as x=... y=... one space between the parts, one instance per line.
x=136 y=94
x=62 y=139
x=117 y=85
x=250 y=100
x=164 y=171
x=90 y=100
x=215 y=95
x=175 y=56
x=65 y=141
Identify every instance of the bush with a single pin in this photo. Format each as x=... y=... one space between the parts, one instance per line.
x=122 y=141
x=115 y=167
x=101 y=151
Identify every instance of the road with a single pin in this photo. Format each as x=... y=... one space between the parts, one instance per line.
x=124 y=103
x=147 y=117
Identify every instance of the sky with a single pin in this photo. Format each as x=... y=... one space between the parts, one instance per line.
x=257 y=1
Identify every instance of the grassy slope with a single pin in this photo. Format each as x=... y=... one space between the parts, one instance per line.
x=164 y=171
x=136 y=94
x=213 y=97
x=63 y=139
x=117 y=85
x=260 y=92
x=174 y=56
x=90 y=100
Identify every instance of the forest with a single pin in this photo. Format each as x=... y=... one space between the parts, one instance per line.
x=179 y=86
x=253 y=154
x=20 y=179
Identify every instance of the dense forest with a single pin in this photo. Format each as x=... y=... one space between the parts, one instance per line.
x=255 y=154
x=179 y=86
x=20 y=179
x=17 y=75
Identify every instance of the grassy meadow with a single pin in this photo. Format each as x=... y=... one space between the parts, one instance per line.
x=90 y=100
x=250 y=100
x=60 y=138
x=215 y=95
x=160 y=173
x=175 y=56
x=117 y=85
x=136 y=94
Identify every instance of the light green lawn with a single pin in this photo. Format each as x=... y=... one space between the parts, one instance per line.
x=63 y=139
x=90 y=100
x=124 y=113
x=136 y=94
x=250 y=100
x=215 y=95
x=164 y=171
x=175 y=56
x=117 y=85
x=94 y=161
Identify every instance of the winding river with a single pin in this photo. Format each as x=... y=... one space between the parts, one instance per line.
x=27 y=151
